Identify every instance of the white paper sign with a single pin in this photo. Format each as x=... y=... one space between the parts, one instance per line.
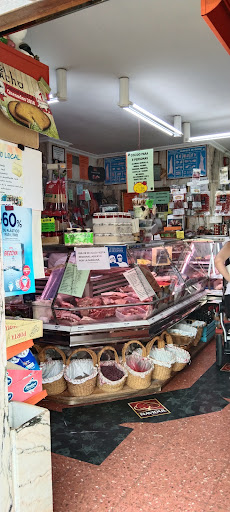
x=140 y=171
x=139 y=283
x=20 y=176
x=92 y=258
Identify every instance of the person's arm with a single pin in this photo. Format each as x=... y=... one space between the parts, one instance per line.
x=220 y=259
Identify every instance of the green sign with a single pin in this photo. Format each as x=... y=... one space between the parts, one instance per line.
x=73 y=281
x=48 y=224
x=140 y=171
x=161 y=197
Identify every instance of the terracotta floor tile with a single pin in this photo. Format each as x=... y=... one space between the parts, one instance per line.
x=193 y=372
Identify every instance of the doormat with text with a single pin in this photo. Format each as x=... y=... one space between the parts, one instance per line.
x=148 y=408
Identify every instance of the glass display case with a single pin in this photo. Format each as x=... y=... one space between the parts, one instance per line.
x=158 y=282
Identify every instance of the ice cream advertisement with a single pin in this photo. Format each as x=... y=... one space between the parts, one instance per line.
x=24 y=103
x=17 y=250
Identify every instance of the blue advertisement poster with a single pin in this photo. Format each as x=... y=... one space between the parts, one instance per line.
x=181 y=162
x=115 y=170
x=17 y=250
x=118 y=256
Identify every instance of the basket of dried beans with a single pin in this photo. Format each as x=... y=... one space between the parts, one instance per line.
x=111 y=374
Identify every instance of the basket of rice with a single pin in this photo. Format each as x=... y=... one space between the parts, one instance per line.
x=183 y=334
x=163 y=360
x=139 y=367
x=52 y=371
x=81 y=374
x=182 y=357
x=111 y=374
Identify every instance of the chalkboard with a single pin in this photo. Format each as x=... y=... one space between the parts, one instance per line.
x=181 y=162
x=115 y=170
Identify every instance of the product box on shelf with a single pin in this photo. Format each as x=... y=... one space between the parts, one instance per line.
x=18 y=331
x=78 y=238
x=22 y=383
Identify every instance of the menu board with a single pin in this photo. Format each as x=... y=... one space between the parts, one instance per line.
x=181 y=162
x=140 y=176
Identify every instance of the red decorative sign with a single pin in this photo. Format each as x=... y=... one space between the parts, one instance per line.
x=226 y=368
x=148 y=408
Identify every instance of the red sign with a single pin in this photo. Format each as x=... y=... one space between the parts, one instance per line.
x=26 y=270
x=24 y=283
x=148 y=408
x=226 y=368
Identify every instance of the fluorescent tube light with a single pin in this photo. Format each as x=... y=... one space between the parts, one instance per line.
x=211 y=136
x=153 y=123
x=156 y=119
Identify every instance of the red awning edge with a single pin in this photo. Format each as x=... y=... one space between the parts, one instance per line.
x=216 y=14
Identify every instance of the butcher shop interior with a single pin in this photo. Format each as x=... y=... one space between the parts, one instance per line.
x=115 y=232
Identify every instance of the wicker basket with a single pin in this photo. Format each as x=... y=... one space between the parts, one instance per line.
x=85 y=386
x=105 y=384
x=180 y=339
x=162 y=369
x=56 y=384
x=137 y=380
x=179 y=353
x=199 y=332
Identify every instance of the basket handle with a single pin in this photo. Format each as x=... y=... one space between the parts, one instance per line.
x=42 y=353
x=167 y=337
x=160 y=344
x=107 y=347
x=88 y=350
x=126 y=345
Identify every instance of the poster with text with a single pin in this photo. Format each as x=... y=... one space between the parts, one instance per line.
x=11 y=174
x=24 y=103
x=17 y=250
x=139 y=166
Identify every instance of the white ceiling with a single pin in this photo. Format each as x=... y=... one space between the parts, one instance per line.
x=174 y=62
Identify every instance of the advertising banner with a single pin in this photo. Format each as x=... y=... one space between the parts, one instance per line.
x=24 y=103
x=17 y=250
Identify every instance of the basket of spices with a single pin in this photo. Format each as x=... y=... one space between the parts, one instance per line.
x=52 y=370
x=182 y=357
x=138 y=366
x=81 y=374
x=163 y=360
x=111 y=374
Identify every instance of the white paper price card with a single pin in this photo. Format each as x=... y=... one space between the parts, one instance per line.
x=139 y=283
x=92 y=258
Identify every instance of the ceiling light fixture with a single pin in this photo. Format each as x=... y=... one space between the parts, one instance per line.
x=148 y=120
x=144 y=115
x=52 y=99
x=211 y=136
x=61 y=79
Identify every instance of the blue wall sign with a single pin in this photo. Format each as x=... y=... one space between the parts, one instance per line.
x=181 y=162
x=115 y=170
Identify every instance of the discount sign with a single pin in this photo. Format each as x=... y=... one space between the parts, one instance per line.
x=17 y=250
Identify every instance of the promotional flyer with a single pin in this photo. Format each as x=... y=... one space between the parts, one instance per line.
x=17 y=250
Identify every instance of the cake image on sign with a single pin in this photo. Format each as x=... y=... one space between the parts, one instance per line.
x=148 y=408
x=12 y=111
x=30 y=114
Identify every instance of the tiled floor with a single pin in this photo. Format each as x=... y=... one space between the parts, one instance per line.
x=163 y=465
